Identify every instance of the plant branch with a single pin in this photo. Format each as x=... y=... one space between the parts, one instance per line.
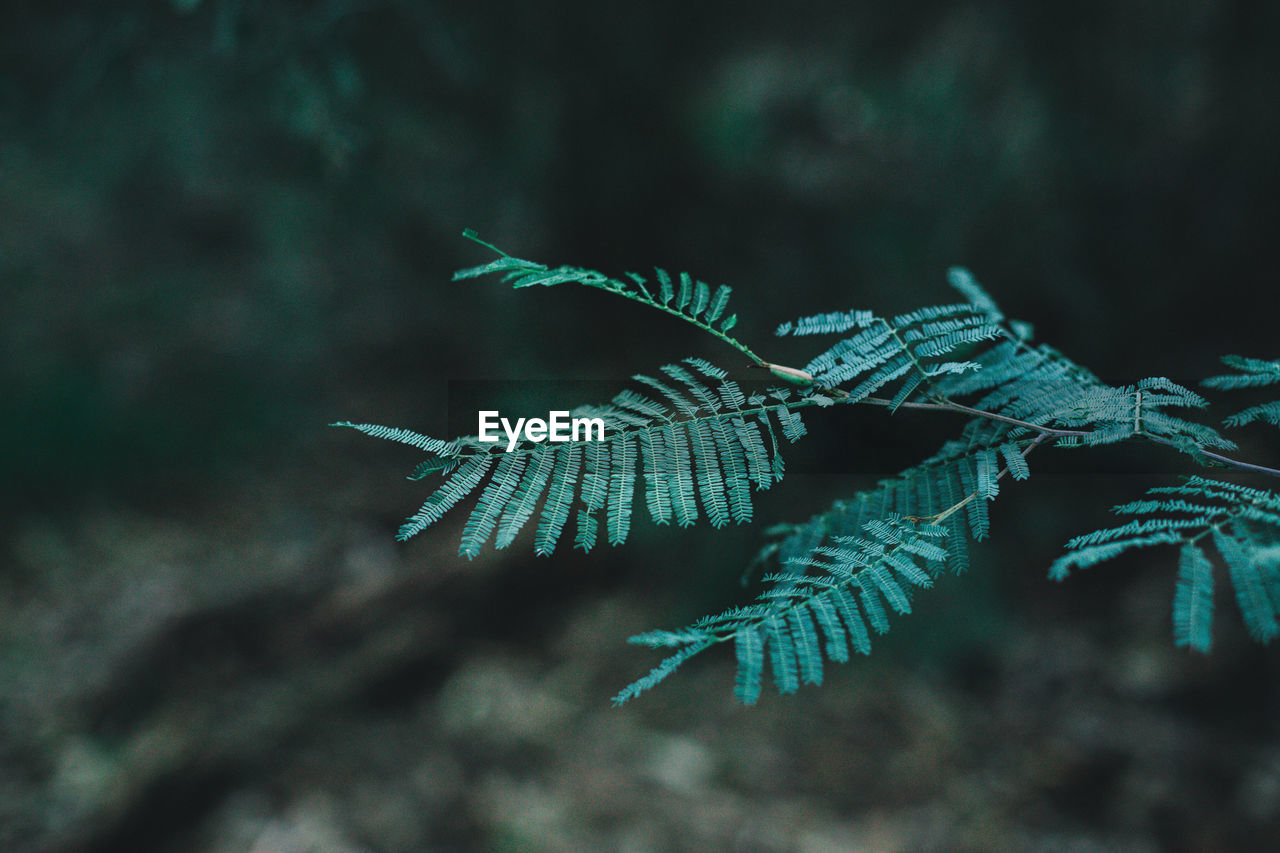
x=949 y=406
x=1218 y=457
x=800 y=377
x=952 y=510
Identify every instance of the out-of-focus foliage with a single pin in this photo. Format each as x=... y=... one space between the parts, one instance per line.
x=205 y=203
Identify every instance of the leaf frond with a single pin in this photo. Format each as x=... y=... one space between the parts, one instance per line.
x=800 y=621
x=694 y=444
x=684 y=296
x=1243 y=524
x=1250 y=373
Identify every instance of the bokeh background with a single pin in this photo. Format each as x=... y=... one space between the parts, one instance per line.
x=225 y=224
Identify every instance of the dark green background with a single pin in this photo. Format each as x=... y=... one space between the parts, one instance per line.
x=225 y=224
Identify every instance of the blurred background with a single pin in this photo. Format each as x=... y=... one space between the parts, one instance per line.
x=225 y=224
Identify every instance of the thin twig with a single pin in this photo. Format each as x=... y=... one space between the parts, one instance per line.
x=1217 y=457
x=949 y=406
x=952 y=510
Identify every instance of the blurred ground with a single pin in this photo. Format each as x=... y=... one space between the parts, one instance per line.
x=226 y=224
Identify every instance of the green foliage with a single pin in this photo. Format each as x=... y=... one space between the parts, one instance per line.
x=804 y=618
x=700 y=442
x=683 y=296
x=1243 y=525
x=697 y=445
x=907 y=347
x=1253 y=373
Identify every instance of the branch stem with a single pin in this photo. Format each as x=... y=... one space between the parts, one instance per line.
x=1218 y=457
x=952 y=510
x=949 y=406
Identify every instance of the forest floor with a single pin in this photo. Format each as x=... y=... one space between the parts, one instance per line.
x=266 y=670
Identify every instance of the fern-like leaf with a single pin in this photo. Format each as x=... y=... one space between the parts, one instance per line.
x=1252 y=373
x=1255 y=580
x=658 y=673
x=684 y=296
x=749 y=647
x=811 y=613
x=942 y=487
x=526 y=497
x=1193 y=599
x=700 y=442
x=559 y=499
x=1265 y=412
x=907 y=347
x=505 y=481
x=1244 y=525
x=459 y=484
x=1040 y=386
